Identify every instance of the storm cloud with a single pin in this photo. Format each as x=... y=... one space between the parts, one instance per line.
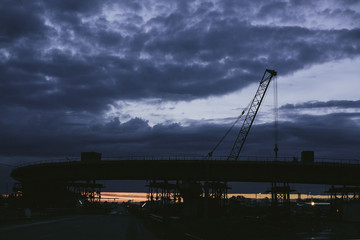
x=318 y=104
x=74 y=56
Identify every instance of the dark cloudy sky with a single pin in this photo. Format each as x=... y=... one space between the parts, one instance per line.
x=168 y=77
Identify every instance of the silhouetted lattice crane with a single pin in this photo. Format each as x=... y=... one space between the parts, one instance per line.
x=250 y=117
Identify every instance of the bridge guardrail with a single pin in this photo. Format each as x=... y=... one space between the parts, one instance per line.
x=71 y=160
x=242 y=158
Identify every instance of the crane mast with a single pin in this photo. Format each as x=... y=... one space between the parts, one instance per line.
x=251 y=114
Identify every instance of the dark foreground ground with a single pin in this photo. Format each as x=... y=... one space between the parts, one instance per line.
x=236 y=228
x=253 y=223
x=129 y=223
x=113 y=225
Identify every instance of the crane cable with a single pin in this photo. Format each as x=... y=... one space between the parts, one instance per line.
x=229 y=130
x=276 y=149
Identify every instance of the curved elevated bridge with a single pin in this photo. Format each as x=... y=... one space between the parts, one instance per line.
x=332 y=173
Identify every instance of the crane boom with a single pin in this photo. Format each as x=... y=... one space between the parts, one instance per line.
x=251 y=114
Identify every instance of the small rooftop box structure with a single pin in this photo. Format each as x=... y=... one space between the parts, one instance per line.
x=90 y=157
x=307 y=156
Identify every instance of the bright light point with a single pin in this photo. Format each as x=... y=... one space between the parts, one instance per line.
x=312 y=203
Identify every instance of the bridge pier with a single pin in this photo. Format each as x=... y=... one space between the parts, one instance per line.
x=215 y=197
x=218 y=191
x=89 y=190
x=280 y=195
x=342 y=199
x=197 y=198
x=343 y=194
x=163 y=192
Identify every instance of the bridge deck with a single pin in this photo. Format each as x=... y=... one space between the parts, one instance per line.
x=202 y=170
